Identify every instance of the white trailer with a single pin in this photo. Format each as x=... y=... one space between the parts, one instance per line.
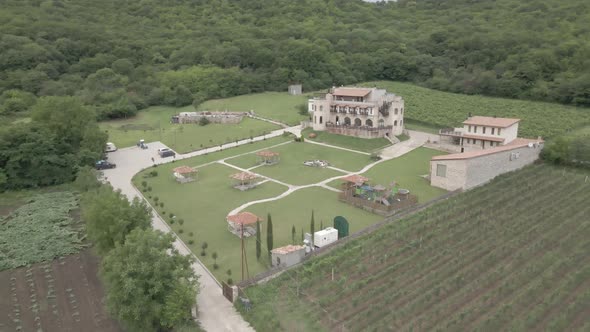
x=110 y=147
x=325 y=236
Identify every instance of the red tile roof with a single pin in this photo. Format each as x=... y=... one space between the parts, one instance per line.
x=286 y=249
x=351 y=92
x=184 y=170
x=244 y=218
x=517 y=143
x=485 y=138
x=355 y=178
x=243 y=176
x=490 y=121
x=267 y=153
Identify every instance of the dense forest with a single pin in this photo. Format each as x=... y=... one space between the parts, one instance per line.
x=119 y=56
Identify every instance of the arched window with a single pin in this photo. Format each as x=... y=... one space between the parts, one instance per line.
x=395 y=111
x=381 y=122
x=401 y=122
x=369 y=123
x=395 y=123
x=321 y=118
x=347 y=121
x=358 y=122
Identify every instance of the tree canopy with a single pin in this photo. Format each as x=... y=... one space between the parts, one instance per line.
x=122 y=56
x=150 y=286
x=110 y=217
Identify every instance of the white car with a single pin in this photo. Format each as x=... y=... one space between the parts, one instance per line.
x=110 y=147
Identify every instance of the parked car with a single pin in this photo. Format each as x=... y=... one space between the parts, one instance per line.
x=110 y=147
x=103 y=164
x=165 y=152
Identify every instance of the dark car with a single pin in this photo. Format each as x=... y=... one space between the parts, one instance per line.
x=166 y=153
x=103 y=164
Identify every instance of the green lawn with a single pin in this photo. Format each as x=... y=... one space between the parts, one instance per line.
x=407 y=171
x=444 y=109
x=420 y=126
x=295 y=210
x=278 y=106
x=291 y=169
x=153 y=124
x=204 y=205
x=349 y=142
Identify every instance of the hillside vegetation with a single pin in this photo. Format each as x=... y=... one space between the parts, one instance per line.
x=511 y=255
x=442 y=109
x=122 y=56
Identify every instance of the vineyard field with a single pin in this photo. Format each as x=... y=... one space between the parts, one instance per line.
x=445 y=109
x=511 y=255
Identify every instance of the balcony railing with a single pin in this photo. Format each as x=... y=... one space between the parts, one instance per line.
x=367 y=128
x=450 y=132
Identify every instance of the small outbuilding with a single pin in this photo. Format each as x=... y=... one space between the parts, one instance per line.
x=267 y=157
x=287 y=256
x=242 y=224
x=325 y=236
x=184 y=174
x=295 y=89
x=244 y=180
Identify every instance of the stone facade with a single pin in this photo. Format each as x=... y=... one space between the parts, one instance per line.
x=287 y=256
x=360 y=112
x=295 y=89
x=213 y=117
x=479 y=133
x=472 y=169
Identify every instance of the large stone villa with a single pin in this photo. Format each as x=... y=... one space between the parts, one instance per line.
x=360 y=112
x=487 y=146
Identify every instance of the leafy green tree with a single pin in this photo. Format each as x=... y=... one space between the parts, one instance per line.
x=258 y=241
x=269 y=235
x=149 y=285
x=15 y=101
x=86 y=179
x=110 y=217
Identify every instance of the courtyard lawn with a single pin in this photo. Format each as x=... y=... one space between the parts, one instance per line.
x=349 y=142
x=295 y=210
x=408 y=171
x=204 y=205
x=420 y=126
x=279 y=106
x=291 y=170
x=153 y=124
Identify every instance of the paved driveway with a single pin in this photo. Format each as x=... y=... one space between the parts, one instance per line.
x=216 y=313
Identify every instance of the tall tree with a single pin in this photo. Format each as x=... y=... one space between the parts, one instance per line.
x=312 y=227
x=110 y=217
x=293 y=231
x=269 y=235
x=258 y=241
x=150 y=286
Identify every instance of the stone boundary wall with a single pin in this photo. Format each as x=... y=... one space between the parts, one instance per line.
x=213 y=117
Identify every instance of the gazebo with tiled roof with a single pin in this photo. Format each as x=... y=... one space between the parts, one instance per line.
x=242 y=223
x=267 y=157
x=184 y=174
x=358 y=180
x=245 y=180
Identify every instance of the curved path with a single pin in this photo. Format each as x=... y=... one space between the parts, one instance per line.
x=215 y=312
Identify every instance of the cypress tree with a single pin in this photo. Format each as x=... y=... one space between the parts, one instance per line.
x=269 y=236
x=293 y=231
x=312 y=226
x=258 y=240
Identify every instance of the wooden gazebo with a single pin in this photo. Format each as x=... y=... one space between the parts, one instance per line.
x=242 y=224
x=184 y=174
x=267 y=157
x=355 y=179
x=244 y=180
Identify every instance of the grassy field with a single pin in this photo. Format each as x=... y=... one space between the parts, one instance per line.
x=295 y=210
x=291 y=170
x=407 y=171
x=420 y=126
x=443 y=109
x=511 y=255
x=153 y=124
x=279 y=106
x=349 y=142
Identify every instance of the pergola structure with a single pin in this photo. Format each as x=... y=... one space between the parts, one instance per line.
x=184 y=174
x=242 y=224
x=267 y=157
x=355 y=179
x=245 y=180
